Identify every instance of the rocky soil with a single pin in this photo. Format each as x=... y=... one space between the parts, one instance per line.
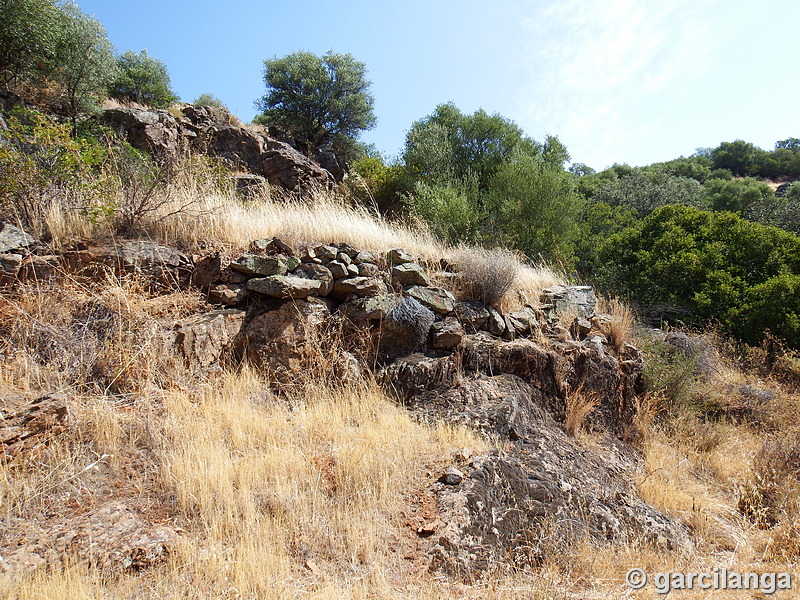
x=510 y=374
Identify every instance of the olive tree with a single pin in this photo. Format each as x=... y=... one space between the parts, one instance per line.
x=29 y=34
x=317 y=99
x=85 y=62
x=143 y=79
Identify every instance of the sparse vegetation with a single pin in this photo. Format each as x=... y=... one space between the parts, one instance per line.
x=317 y=484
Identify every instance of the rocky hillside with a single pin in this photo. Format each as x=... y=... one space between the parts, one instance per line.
x=529 y=379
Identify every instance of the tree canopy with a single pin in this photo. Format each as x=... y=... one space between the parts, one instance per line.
x=143 y=79
x=317 y=99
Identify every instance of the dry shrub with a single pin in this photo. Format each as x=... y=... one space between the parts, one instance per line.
x=772 y=495
x=620 y=328
x=485 y=275
x=578 y=406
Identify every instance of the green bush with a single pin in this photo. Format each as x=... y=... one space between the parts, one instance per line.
x=143 y=79
x=715 y=266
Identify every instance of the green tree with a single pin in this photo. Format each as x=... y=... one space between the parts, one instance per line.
x=741 y=196
x=84 y=60
x=318 y=99
x=645 y=189
x=448 y=145
x=29 y=35
x=716 y=266
x=143 y=79
x=739 y=157
x=208 y=100
x=532 y=206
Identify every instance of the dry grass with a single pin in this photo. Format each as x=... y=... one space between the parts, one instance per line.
x=619 y=329
x=578 y=406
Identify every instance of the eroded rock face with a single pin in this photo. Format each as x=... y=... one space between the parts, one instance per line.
x=112 y=538
x=161 y=264
x=32 y=424
x=276 y=340
x=211 y=130
x=544 y=475
x=205 y=339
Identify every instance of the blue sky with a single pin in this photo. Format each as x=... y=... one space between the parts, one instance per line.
x=635 y=81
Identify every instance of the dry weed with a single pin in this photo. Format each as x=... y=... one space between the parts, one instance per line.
x=620 y=328
x=578 y=406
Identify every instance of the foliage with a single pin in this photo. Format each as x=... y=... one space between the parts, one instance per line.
x=450 y=145
x=739 y=157
x=643 y=189
x=143 y=79
x=85 y=62
x=532 y=206
x=385 y=186
x=29 y=35
x=448 y=210
x=741 y=196
x=208 y=100
x=717 y=266
x=317 y=99
x=597 y=222
x=40 y=161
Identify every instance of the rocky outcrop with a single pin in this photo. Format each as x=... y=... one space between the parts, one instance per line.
x=512 y=375
x=543 y=475
x=31 y=425
x=112 y=538
x=212 y=130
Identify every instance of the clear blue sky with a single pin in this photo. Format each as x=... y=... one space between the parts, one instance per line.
x=634 y=81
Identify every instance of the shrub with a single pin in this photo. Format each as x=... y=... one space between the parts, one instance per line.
x=485 y=275
x=716 y=266
x=406 y=326
x=142 y=79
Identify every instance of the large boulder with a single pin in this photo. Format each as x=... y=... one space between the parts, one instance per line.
x=13 y=239
x=279 y=340
x=153 y=131
x=214 y=131
x=112 y=538
x=205 y=339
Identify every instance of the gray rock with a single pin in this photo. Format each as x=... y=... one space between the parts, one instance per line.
x=271 y=245
x=10 y=265
x=409 y=274
x=525 y=320
x=439 y=300
x=344 y=258
x=338 y=269
x=285 y=286
x=280 y=340
x=318 y=272
x=473 y=315
x=368 y=310
x=205 y=339
x=496 y=325
x=360 y=286
x=447 y=334
x=264 y=266
x=12 y=238
x=579 y=299
x=364 y=256
x=353 y=270
x=451 y=476
x=231 y=294
x=368 y=270
x=326 y=252
x=398 y=256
